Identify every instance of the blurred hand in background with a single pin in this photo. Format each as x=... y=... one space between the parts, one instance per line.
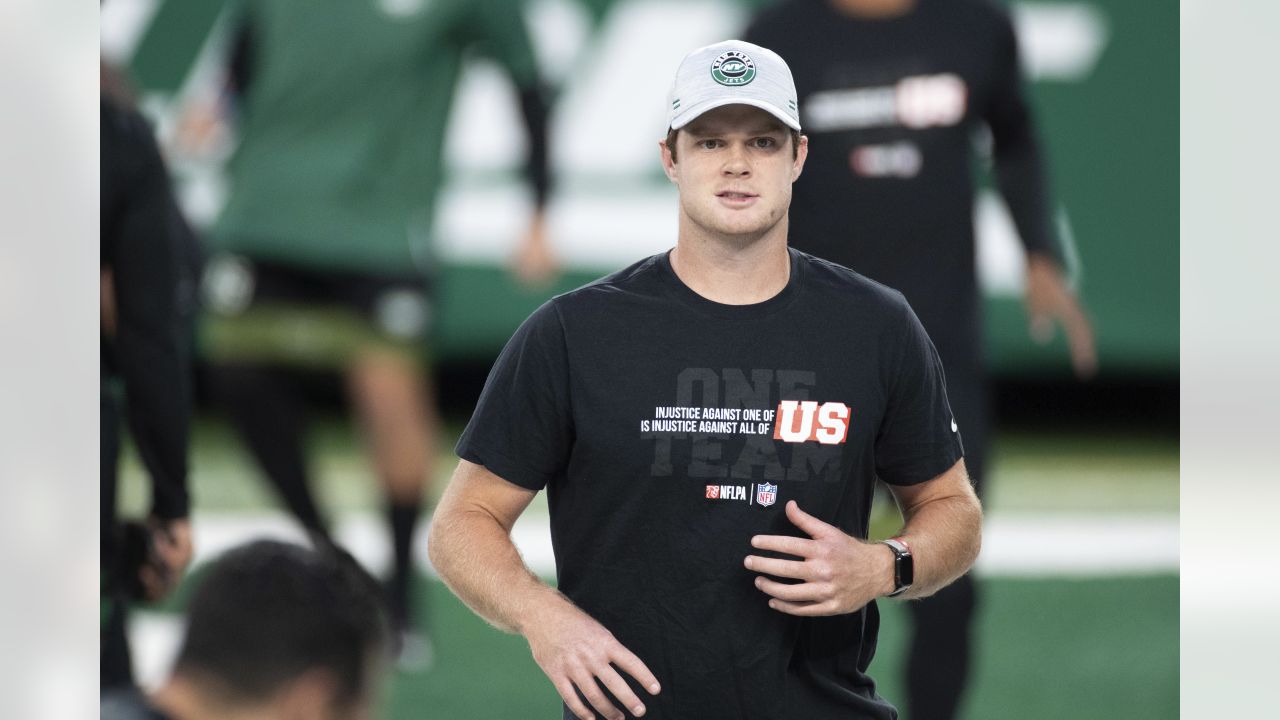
x=1050 y=300
x=170 y=555
x=534 y=262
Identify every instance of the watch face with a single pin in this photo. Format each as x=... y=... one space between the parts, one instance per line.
x=903 y=564
x=906 y=570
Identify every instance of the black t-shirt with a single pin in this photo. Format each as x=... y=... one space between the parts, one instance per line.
x=891 y=107
x=669 y=429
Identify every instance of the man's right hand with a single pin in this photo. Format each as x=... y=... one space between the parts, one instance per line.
x=471 y=548
x=534 y=261
x=575 y=651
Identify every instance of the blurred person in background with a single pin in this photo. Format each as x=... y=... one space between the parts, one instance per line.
x=146 y=286
x=274 y=632
x=893 y=94
x=321 y=257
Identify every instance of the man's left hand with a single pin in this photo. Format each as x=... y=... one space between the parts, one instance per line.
x=839 y=574
x=1050 y=300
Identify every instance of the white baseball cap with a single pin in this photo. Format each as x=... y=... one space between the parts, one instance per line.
x=733 y=72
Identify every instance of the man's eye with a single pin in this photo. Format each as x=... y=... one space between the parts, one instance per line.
x=709 y=144
x=765 y=142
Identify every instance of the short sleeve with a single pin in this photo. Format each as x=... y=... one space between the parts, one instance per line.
x=918 y=439
x=522 y=428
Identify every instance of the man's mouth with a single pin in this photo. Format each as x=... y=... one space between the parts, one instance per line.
x=736 y=196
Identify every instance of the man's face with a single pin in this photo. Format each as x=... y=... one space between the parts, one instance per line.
x=734 y=167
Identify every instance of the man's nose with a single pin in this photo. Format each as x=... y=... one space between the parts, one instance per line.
x=736 y=164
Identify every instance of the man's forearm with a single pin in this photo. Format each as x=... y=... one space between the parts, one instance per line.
x=945 y=536
x=1023 y=181
x=476 y=558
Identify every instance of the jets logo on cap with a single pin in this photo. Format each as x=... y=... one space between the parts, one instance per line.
x=733 y=68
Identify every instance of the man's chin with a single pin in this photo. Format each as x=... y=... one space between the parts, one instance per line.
x=744 y=230
x=737 y=227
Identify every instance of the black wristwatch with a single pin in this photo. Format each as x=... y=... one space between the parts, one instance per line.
x=903 y=565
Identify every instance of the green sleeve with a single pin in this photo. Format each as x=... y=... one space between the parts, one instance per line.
x=500 y=33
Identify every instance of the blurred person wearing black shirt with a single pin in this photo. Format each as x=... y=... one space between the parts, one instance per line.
x=892 y=93
x=145 y=373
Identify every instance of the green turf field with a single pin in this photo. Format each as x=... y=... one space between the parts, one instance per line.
x=1075 y=649
x=1050 y=646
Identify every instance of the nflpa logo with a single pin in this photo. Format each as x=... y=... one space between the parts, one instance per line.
x=713 y=492
x=805 y=422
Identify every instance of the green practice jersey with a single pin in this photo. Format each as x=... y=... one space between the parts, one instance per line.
x=343 y=121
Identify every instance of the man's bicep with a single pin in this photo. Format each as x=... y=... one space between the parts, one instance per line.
x=474 y=488
x=954 y=482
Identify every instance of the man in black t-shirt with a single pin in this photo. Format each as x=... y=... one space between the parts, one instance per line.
x=893 y=93
x=709 y=439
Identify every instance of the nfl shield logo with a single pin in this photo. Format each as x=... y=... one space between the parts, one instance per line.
x=766 y=494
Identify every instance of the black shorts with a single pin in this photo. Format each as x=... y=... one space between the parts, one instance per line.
x=269 y=311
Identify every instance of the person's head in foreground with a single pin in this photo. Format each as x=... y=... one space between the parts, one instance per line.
x=733 y=144
x=280 y=631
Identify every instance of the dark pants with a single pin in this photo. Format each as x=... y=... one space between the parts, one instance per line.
x=115 y=666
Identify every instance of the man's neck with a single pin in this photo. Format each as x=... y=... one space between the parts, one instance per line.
x=183 y=699
x=874 y=9
x=732 y=271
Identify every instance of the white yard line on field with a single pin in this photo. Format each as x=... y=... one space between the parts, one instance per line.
x=1017 y=545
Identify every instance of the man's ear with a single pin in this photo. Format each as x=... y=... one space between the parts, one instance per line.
x=668 y=161
x=802 y=152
